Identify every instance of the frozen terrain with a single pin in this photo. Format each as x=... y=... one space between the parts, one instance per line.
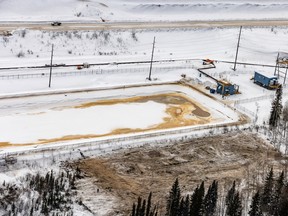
x=135 y=10
x=178 y=52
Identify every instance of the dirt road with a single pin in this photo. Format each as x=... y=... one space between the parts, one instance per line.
x=94 y=25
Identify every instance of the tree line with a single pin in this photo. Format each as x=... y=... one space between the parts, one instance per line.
x=269 y=200
x=278 y=122
x=38 y=194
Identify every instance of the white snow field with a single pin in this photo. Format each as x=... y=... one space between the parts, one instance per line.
x=29 y=48
x=135 y=10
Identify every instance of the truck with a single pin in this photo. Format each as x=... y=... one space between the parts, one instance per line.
x=56 y=23
x=265 y=81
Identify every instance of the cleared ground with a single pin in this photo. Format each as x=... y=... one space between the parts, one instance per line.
x=124 y=176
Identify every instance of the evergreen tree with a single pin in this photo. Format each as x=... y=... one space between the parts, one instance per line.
x=196 y=207
x=173 y=201
x=181 y=207
x=149 y=204
x=230 y=193
x=255 y=208
x=276 y=110
x=277 y=192
x=133 y=210
x=266 y=198
x=142 y=212
x=233 y=202
x=143 y=209
x=210 y=200
x=283 y=201
x=184 y=206
x=138 y=207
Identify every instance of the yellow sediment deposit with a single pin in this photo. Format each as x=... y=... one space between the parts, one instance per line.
x=181 y=111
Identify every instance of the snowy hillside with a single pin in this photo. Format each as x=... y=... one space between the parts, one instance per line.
x=132 y=10
x=26 y=47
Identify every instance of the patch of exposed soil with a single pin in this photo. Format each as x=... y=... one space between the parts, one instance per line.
x=136 y=172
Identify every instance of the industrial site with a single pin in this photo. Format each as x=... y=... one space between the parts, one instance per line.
x=103 y=103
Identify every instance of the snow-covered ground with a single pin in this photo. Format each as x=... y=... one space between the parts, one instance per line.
x=258 y=45
x=135 y=10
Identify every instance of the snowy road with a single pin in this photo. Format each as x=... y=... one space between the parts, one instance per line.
x=10 y=26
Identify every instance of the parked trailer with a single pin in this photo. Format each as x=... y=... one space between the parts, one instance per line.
x=266 y=82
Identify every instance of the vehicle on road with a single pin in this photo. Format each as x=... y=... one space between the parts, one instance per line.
x=56 y=23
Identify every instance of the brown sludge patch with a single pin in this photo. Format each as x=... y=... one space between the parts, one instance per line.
x=8 y=144
x=135 y=172
x=181 y=111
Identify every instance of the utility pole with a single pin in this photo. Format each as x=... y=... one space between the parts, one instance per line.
x=276 y=65
x=237 y=48
x=149 y=78
x=51 y=66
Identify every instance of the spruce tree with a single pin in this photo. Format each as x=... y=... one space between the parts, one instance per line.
x=142 y=212
x=210 y=200
x=283 y=201
x=138 y=207
x=196 y=207
x=173 y=200
x=233 y=202
x=133 y=210
x=277 y=192
x=181 y=207
x=255 y=207
x=148 y=208
x=231 y=193
x=276 y=110
x=184 y=206
x=143 y=208
x=266 y=197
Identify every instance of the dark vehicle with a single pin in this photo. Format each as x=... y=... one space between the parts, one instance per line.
x=56 y=23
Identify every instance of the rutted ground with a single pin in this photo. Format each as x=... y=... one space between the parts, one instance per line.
x=124 y=176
